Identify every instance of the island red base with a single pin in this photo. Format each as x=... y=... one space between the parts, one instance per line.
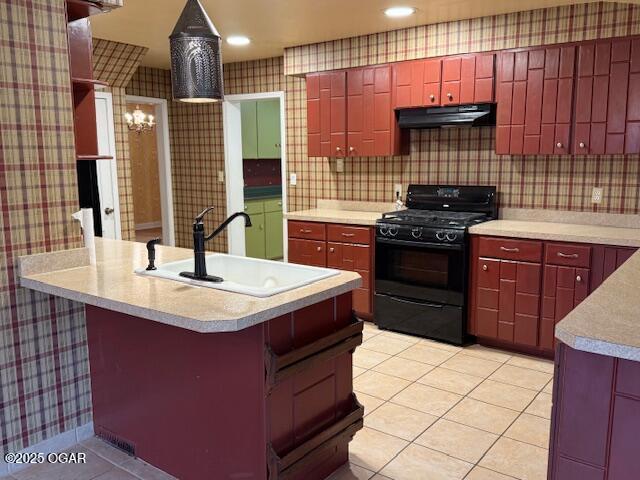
x=596 y=417
x=271 y=401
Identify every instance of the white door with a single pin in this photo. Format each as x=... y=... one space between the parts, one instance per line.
x=107 y=169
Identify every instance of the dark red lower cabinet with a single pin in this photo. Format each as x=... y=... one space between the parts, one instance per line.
x=596 y=417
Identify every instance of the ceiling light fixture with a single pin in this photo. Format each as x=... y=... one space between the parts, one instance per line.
x=196 y=60
x=238 y=40
x=399 y=12
x=138 y=121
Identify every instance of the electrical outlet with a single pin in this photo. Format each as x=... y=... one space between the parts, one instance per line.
x=293 y=179
x=397 y=191
x=340 y=165
x=221 y=176
x=596 y=195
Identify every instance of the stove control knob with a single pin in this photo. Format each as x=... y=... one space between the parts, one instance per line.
x=451 y=236
x=393 y=231
x=384 y=231
x=416 y=232
x=440 y=236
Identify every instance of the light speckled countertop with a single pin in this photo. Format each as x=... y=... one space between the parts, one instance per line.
x=562 y=232
x=112 y=284
x=347 y=212
x=608 y=321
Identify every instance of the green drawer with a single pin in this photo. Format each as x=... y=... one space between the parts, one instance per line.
x=253 y=207
x=273 y=205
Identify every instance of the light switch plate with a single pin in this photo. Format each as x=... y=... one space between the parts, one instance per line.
x=340 y=165
x=596 y=195
x=293 y=179
x=397 y=191
x=221 y=176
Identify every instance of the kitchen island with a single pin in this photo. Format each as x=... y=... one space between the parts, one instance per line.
x=596 y=393
x=204 y=383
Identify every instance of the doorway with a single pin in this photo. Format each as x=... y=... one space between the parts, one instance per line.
x=255 y=165
x=150 y=164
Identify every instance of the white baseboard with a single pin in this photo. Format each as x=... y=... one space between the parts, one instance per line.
x=148 y=225
x=55 y=444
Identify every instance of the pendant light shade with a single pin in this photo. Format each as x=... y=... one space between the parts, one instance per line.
x=196 y=60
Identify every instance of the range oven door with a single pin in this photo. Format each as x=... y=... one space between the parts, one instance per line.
x=421 y=288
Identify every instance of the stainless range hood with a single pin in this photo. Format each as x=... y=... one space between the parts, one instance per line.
x=457 y=116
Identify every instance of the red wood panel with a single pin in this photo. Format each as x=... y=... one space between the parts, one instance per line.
x=307 y=252
x=504 y=97
x=451 y=78
x=348 y=233
x=586 y=390
x=484 y=78
x=487 y=297
x=567 y=254
x=307 y=230
x=408 y=80
x=624 y=461
x=432 y=82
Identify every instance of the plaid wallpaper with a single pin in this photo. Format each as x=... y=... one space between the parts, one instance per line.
x=569 y=23
x=115 y=63
x=44 y=377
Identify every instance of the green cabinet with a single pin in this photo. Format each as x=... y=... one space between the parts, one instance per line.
x=260 y=128
x=268 y=128
x=264 y=238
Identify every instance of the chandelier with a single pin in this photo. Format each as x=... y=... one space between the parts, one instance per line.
x=138 y=121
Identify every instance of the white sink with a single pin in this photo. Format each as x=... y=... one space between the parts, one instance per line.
x=250 y=276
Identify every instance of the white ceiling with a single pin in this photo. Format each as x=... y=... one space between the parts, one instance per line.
x=273 y=25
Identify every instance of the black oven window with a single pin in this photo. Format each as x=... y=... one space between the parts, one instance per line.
x=418 y=267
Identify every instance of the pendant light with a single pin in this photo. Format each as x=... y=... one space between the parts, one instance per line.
x=196 y=60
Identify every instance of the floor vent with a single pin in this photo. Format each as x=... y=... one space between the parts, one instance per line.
x=116 y=441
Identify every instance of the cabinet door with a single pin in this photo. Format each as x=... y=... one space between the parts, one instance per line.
x=507 y=297
x=326 y=114
x=476 y=79
x=607 y=118
x=254 y=237
x=273 y=234
x=370 y=118
x=563 y=288
x=417 y=83
x=307 y=252
x=535 y=93
x=249 y=125
x=268 y=114
x=355 y=258
x=451 y=75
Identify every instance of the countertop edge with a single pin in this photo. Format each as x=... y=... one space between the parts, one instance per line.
x=481 y=229
x=329 y=219
x=600 y=347
x=187 y=323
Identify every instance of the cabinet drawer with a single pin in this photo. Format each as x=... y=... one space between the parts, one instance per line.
x=254 y=207
x=307 y=230
x=569 y=255
x=347 y=234
x=509 y=249
x=307 y=252
x=273 y=205
x=348 y=257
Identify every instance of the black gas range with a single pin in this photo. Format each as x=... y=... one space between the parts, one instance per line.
x=422 y=263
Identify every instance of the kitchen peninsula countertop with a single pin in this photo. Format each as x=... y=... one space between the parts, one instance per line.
x=346 y=212
x=607 y=322
x=113 y=285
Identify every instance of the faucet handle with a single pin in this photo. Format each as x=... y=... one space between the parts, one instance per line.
x=151 y=252
x=199 y=218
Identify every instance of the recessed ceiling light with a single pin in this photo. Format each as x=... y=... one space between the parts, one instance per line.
x=397 y=12
x=238 y=40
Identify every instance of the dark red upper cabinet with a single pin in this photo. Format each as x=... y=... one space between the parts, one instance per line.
x=327 y=114
x=468 y=79
x=350 y=113
x=371 y=124
x=607 y=118
x=417 y=83
x=535 y=94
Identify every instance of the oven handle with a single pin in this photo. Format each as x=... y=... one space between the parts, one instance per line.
x=408 y=243
x=413 y=302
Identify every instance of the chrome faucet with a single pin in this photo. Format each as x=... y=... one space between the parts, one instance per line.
x=200 y=265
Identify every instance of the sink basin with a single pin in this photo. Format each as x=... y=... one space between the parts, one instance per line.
x=250 y=276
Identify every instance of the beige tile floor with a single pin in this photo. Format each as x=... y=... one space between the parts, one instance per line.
x=432 y=412
x=438 y=412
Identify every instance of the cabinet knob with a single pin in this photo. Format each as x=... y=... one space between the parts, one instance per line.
x=331 y=250
x=450 y=96
x=485 y=268
x=582 y=145
x=559 y=145
x=319 y=249
x=338 y=149
x=578 y=279
x=432 y=97
x=351 y=149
